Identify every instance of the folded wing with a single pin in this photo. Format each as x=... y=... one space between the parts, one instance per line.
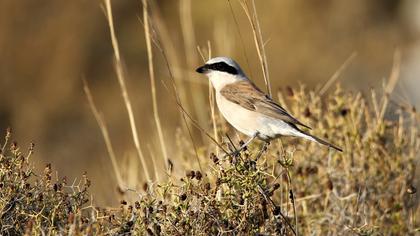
x=247 y=95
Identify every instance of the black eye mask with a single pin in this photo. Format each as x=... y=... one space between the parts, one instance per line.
x=222 y=66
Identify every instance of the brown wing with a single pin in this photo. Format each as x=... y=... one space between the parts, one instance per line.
x=247 y=95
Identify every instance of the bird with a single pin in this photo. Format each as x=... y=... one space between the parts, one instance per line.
x=248 y=109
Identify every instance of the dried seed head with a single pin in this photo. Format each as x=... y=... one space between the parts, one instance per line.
x=289 y=91
x=14 y=145
x=344 y=111
x=291 y=195
x=158 y=229
x=253 y=165
x=130 y=223
x=241 y=201
x=299 y=171
x=276 y=210
x=145 y=186
x=411 y=189
x=307 y=112
x=170 y=166
x=120 y=190
x=214 y=158
x=198 y=175
x=311 y=170
x=330 y=185
x=183 y=197
x=191 y=174
x=207 y=186
x=218 y=181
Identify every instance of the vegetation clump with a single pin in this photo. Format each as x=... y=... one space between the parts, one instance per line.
x=238 y=202
x=32 y=203
x=292 y=187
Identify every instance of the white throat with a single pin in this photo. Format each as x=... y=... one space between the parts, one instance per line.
x=220 y=79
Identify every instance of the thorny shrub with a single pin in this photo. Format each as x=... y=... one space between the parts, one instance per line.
x=277 y=189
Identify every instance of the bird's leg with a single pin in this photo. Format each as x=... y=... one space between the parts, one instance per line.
x=231 y=143
x=248 y=142
x=243 y=146
x=263 y=149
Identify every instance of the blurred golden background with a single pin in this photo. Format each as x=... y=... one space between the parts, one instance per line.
x=48 y=47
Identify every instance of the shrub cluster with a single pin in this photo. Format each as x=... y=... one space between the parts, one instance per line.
x=240 y=201
x=284 y=188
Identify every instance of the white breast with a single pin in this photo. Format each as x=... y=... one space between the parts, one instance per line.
x=239 y=117
x=250 y=122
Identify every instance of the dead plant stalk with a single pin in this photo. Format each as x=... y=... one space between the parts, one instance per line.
x=123 y=87
x=152 y=82
x=259 y=44
x=188 y=34
x=102 y=126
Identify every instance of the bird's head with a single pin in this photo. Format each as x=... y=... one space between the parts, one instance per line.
x=222 y=71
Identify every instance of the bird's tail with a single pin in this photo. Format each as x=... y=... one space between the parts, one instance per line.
x=318 y=140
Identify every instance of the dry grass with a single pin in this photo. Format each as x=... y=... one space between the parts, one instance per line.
x=119 y=68
x=251 y=13
x=102 y=126
x=291 y=187
x=153 y=83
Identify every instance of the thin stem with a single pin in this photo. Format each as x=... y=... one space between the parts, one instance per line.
x=153 y=83
x=292 y=199
x=177 y=98
x=240 y=37
x=102 y=126
x=188 y=35
x=123 y=87
x=337 y=74
x=256 y=30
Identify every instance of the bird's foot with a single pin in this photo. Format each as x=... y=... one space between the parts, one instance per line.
x=262 y=150
x=243 y=146
x=237 y=152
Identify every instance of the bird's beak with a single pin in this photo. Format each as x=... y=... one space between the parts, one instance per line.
x=201 y=69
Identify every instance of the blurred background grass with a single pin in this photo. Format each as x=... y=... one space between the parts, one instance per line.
x=47 y=47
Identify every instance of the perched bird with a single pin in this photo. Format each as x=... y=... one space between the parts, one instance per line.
x=247 y=108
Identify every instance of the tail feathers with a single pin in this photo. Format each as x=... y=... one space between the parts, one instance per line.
x=321 y=141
